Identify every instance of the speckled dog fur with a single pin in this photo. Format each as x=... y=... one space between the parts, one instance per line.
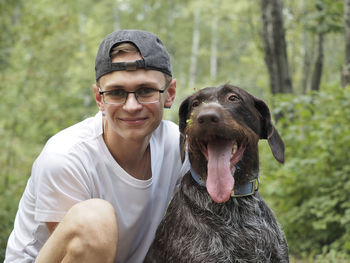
x=240 y=229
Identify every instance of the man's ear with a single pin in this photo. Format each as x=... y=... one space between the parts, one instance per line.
x=98 y=98
x=171 y=92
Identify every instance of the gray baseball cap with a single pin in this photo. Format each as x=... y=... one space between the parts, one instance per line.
x=153 y=52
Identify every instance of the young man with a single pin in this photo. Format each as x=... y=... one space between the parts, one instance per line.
x=99 y=189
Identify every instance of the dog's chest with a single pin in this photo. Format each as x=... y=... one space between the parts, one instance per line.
x=200 y=232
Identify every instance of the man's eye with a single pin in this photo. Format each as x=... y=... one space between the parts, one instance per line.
x=117 y=93
x=146 y=92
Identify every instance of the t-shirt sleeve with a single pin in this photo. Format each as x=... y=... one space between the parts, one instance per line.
x=60 y=182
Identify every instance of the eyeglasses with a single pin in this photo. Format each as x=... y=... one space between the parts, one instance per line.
x=142 y=95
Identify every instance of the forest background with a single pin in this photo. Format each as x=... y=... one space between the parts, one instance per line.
x=294 y=54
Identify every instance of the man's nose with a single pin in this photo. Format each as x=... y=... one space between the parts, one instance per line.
x=131 y=103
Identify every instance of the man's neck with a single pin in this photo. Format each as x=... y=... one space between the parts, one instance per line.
x=133 y=156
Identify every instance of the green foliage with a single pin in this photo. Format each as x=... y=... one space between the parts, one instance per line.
x=47 y=52
x=328 y=17
x=332 y=256
x=311 y=190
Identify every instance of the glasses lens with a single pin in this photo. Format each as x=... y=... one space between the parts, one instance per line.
x=147 y=95
x=143 y=95
x=115 y=96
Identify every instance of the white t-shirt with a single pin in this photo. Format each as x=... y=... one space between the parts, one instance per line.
x=76 y=165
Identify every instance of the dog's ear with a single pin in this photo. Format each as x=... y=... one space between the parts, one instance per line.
x=183 y=111
x=269 y=132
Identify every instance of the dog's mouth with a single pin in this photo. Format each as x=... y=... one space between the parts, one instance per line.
x=222 y=155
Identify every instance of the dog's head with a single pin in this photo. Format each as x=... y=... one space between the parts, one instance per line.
x=221 y=128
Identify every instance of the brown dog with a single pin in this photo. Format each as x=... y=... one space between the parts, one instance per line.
x=218 y=214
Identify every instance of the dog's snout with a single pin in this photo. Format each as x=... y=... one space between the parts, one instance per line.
x=209 y=116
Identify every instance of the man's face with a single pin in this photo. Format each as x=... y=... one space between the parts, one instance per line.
x=132 y=120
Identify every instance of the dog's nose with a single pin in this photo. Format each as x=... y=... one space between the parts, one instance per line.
x=208 y=117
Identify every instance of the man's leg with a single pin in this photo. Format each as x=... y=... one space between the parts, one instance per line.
x=87 y=233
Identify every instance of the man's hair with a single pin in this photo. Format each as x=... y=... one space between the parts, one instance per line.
x=131 y=48
x=124 y=48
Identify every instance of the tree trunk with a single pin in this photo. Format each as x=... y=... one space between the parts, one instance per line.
x=194 y=51
x=171 y=29
x=214 y=49
x=82 y=30
x=346 y=67
x=116 y=18
x=307 y=54
x=307 y=58
x=275 y=46
x=317 y=74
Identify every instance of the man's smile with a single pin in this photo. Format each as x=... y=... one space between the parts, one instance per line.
x=134 y=121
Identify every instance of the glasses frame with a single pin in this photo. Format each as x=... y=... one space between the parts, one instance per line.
x=127 y=95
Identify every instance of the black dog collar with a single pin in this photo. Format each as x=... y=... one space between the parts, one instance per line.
x=239 y=190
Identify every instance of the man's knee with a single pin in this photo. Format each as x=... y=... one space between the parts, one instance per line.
x=87 y=233
x=94 y=211
x=93 y=226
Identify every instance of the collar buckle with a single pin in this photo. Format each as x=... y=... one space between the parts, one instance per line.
x=246 y=189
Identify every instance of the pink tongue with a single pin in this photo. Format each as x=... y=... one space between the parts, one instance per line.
x=220 y=181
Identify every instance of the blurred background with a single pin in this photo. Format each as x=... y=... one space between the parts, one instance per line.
x=294 y=54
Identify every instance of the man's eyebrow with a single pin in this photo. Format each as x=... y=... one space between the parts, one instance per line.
x=148 y=84
x=114 y=87
x=138 y=86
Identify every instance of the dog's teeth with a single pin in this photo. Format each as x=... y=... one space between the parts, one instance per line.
x=234 y=149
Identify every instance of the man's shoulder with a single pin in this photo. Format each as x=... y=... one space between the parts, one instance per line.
x=70 y=150
x=167 y=134
x=166 y=137
x=73 y=136
x=167 y=128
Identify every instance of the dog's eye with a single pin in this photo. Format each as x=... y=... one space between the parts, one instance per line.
x=233 y=97
x=195 y=103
